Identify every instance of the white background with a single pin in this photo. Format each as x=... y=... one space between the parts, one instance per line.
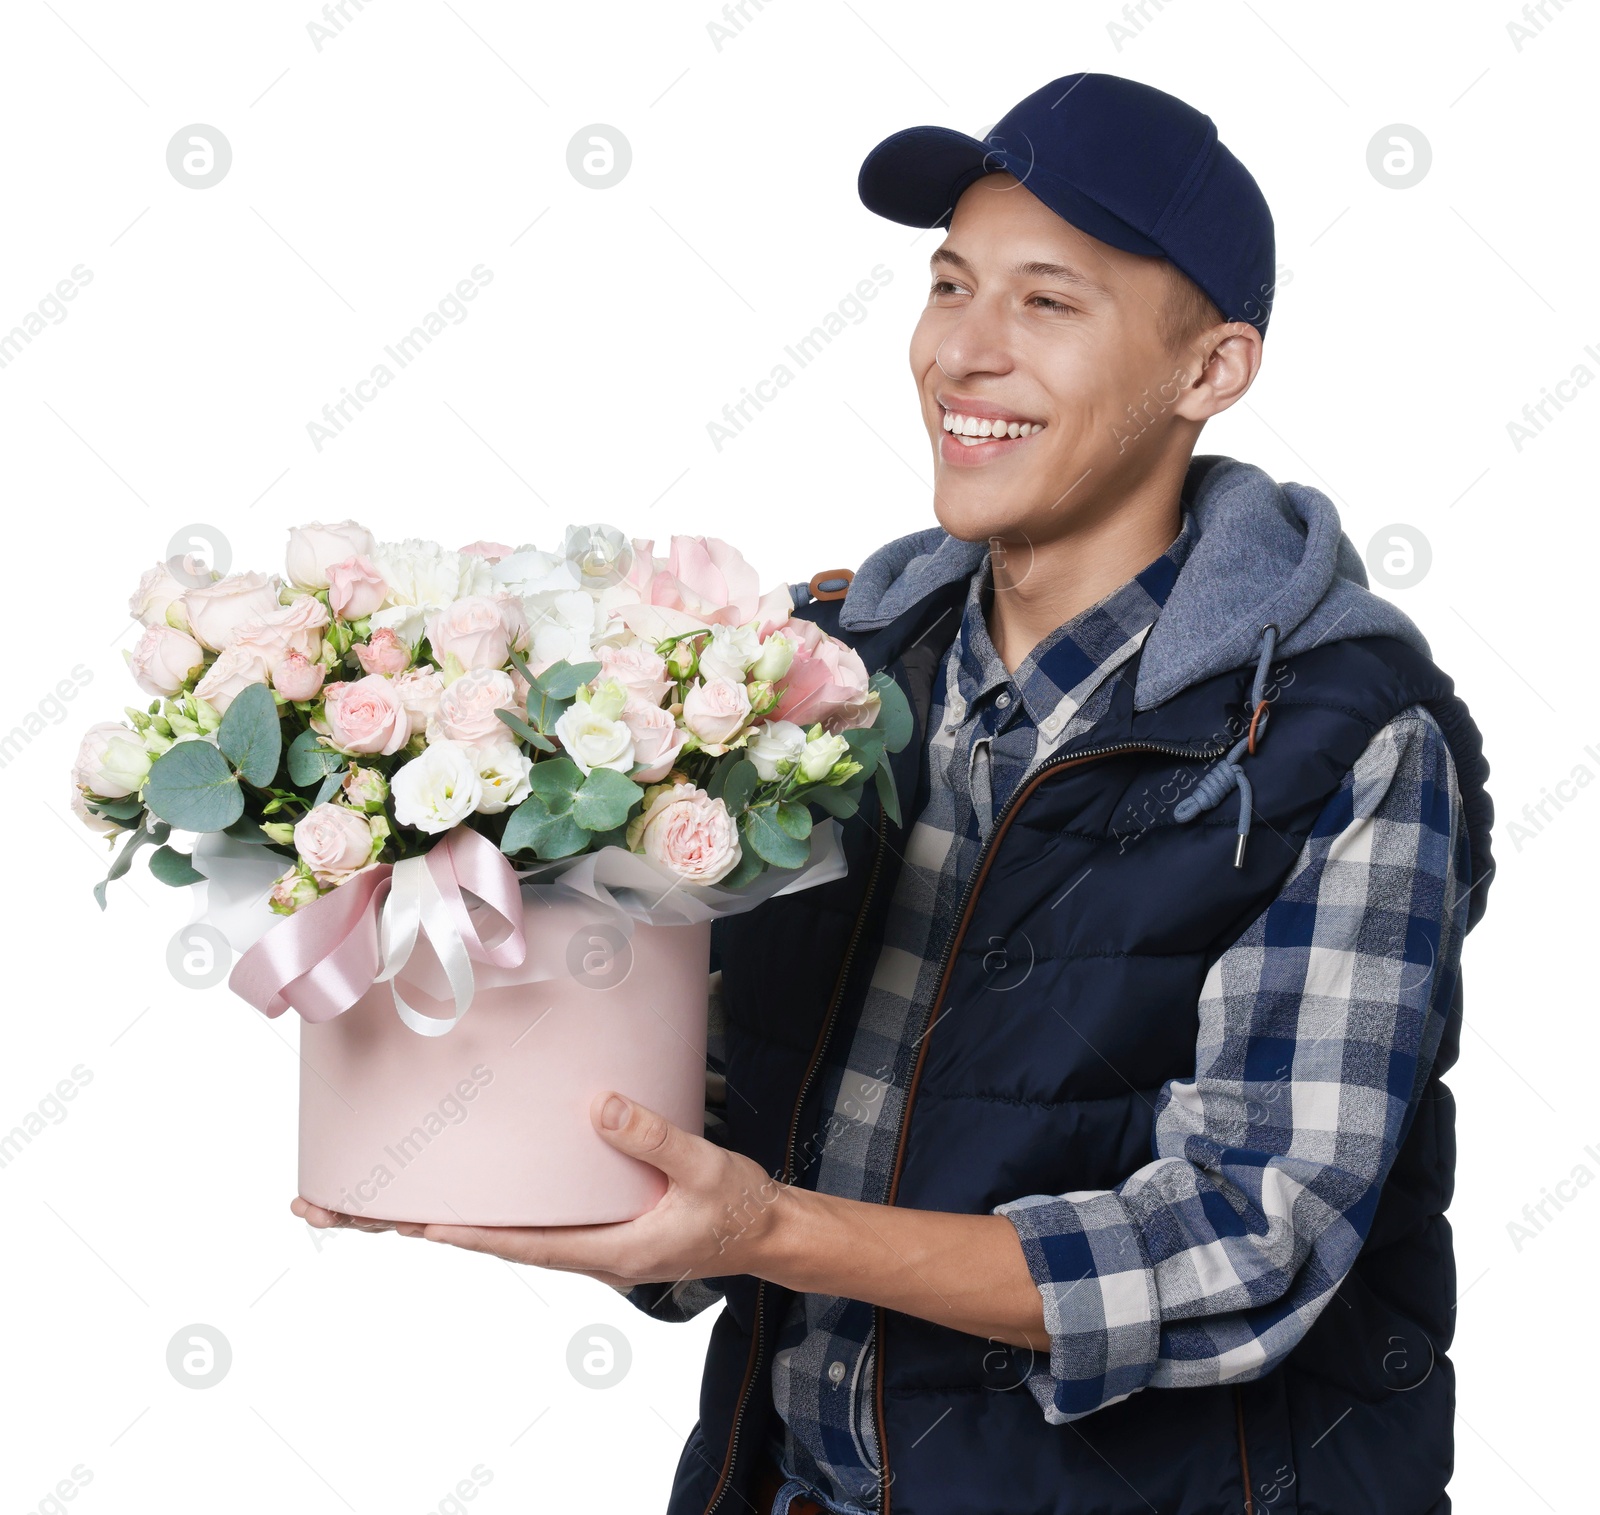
x=368 y=177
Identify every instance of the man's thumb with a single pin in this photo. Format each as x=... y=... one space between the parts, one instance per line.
x=639 y=1131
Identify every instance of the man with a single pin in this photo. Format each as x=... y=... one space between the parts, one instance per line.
x=1085 y=1148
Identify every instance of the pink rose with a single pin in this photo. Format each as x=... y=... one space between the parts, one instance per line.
x=689 y=832
x=826 y=682
x=314 y=548
x=466 y=709
x=384 y=651
x=235 y=669
x=296 y=677
x=355 y=588
x=473 y=629
x=493 y=551
x=159 y=589
x=515 y=615
x=295 y=627
x=657 y=739
x=702 y=582
x=715 y=710
x=638 y=668
x=366 y=716
x=216 y=612
x=419 y=690
x=335 y=842
x=164 y=659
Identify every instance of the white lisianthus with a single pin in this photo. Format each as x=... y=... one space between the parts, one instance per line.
x=731 y=650
x=562 y=625
x=503 y=769
x=777 y=654
x=528 y=571
x=437 y=790
x=594 y=739
x=775 y=742
x=430 y=576
x=820 y=754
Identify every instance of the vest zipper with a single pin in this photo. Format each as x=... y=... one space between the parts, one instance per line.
x=1024 y=788
x=757 y=1345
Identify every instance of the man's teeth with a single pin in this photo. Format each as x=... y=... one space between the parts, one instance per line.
x=971 y=430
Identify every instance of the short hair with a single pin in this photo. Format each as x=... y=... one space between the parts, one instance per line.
x=1187 y=310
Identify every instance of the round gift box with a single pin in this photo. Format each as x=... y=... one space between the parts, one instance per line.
x=489 y=1124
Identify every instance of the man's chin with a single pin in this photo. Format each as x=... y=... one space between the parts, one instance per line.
x=973 y=517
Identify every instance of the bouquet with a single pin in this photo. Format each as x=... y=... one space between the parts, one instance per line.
x=375 y=696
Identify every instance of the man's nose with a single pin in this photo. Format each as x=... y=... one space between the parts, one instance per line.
x=979 y=342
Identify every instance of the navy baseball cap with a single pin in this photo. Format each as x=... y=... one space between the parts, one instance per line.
x=1127 y=163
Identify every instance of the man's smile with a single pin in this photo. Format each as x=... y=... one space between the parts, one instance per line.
x=976 y=430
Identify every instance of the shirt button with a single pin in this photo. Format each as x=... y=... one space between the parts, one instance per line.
x=836 y=1372
x=1002 y=699
x=1051 y=725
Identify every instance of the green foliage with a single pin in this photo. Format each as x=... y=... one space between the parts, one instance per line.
x=525 y=731
x=250 y=735
x=310 y=762
x=795 y=819
x=888 y=795
x=894 y=716
x=739 y=784
x=191 y=787
x=170 y=866
x=760 y=827
x=142 y=835
x=560 y=681
x=605 y=800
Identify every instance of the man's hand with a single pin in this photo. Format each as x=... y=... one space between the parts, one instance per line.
x=719 y=1209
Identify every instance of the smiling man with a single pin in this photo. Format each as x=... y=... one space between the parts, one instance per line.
x=1085 y=1148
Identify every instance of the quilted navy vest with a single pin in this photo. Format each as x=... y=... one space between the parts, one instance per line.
x=1010 y=1098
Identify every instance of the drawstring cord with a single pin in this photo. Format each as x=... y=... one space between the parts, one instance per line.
x=1226 y=774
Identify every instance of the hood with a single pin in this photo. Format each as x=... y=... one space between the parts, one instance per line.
x=1264 y=552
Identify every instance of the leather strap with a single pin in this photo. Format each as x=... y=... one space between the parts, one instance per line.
x=831 y=583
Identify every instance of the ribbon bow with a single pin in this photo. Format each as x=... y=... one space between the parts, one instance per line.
x=323 y=958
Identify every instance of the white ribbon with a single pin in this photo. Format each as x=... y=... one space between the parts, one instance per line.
x=415 y=905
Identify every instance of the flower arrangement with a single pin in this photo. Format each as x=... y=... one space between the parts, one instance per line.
x=376 y=695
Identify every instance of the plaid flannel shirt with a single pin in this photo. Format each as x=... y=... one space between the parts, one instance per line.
x=1318 y=1028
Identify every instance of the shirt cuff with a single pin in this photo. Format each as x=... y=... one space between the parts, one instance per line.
x=1101 y=1307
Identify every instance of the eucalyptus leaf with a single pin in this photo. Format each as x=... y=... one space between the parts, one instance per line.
x=561 y=680
x=750 y=864
x=191 y=787
x=330 y=787
x=118 y=810
x=123 y=861
x=556 y=781
x=894 y=716
x=795 y=819
x=532 y=827
x=248 y=830
x=310 y=762
x=170 y=866
x=841 y=800
x=739 y=785
x=760 y=828
x=250 y=735
x=605 y=800
x=888 y=795
x=525 y=731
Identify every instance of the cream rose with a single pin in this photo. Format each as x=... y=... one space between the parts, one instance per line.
x=819 y=756
x=715 y=710
x=164 y=659
x=774 y=742
x=234 y=670
x=473 y=629
x=731 y=650
x=593 y=739
x=639 y=669
x=466 y=709
x=158 y=592
x=437 y=790
x=112 y=762
x=689 y=832
x=366 y=716
x=334 y=841
x=315 y=548
x=295 y=627
x=217 y=612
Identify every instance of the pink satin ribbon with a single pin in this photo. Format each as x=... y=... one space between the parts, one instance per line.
x=324 y=957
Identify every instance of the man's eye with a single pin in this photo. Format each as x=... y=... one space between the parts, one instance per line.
x=942 y=287
x=1050 y=304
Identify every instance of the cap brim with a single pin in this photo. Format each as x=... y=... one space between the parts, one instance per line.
x=916 y=176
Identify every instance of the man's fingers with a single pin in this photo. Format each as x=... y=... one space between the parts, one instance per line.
x=645 y=1133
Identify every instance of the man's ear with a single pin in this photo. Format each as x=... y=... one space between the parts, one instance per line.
x=1225 y=362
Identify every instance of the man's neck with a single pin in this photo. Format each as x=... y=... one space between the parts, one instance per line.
x=1040 y=586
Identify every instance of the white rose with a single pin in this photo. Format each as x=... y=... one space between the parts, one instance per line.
x=775 y=742
x=503 y=769
x=731 y=650
x=593 y=739
x=164 y=659
x=715 y=711
x=437 y=790
x=315 y=548
x=819 y=756
x=111 y=762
